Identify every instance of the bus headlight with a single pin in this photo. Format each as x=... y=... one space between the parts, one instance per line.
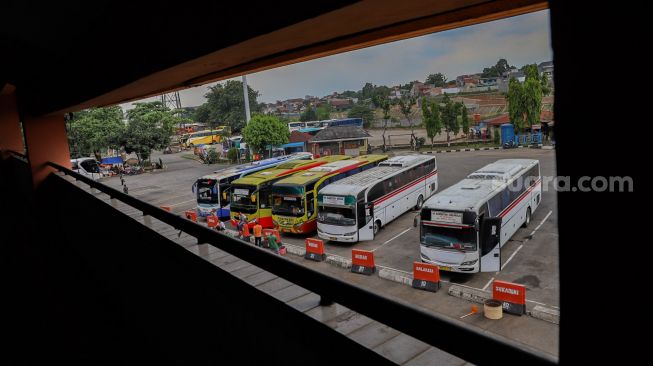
x=469 y=263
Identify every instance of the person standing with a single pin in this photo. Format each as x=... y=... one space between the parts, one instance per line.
x=272 y=242
x=258 y=230
x=246 y=232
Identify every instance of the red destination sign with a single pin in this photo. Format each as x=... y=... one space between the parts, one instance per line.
x=314 y=246
x=510 y=292
x=426 y=272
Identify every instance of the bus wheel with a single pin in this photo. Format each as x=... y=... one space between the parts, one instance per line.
x=377 y=226
x=528 y=217
x=420 y=202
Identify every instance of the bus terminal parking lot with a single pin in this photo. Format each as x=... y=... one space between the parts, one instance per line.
x=529 y=258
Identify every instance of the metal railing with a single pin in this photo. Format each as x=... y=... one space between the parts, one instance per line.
x=459 y=339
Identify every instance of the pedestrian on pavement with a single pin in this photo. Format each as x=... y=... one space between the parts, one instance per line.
x=125 y=189
x=122 y=179
x=272 y=242
x=221 y=226
x=258 y=230
x=246 y=232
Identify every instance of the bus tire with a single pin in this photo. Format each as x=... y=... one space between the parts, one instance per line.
x=420 y=202
x=377 y=226
x=528 y=217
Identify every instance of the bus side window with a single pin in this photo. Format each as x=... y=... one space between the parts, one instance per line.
x=310 y=204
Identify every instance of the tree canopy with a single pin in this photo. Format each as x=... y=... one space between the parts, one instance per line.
x=263 y=130
x=95 y=129
x=525 y=100
x=432 y=119
x=450 y=112
x=149 y=127
x=225 y=104
x=496 y=70
x=438 y=80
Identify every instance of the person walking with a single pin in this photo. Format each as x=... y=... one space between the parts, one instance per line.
x=125 y=190
x=272 y=242
x=258 y=230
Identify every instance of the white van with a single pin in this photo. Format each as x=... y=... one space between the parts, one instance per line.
x=86 y=166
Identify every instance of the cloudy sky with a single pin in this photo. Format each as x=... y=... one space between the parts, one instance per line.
x=520 y=40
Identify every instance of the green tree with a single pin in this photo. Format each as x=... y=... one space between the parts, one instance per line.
x=362 y=111
x=309 y=114
x=385 y=105
x=95 y=129
x=450 y=112
x=324 y=111
x=496 y=70
x=438 y=80
x=525 y=100
x=149 y=127
x=265 y=130
x=226 y=104
x=406 y=107
x=432 y=119
x=464 y=120
x=202 y=114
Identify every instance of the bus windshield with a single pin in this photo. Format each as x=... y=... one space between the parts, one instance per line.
x=342 y=216
x=241 y=198
x=446 y=237
x=207 y=191
x=288 y=200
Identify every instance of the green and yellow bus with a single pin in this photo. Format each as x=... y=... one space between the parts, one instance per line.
x=251 y=195
x=205 y=137
x=294 y=198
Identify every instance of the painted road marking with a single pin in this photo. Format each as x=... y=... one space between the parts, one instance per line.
x=525 y=241
x=488 y=283
x=181 y=203
x=393 y=238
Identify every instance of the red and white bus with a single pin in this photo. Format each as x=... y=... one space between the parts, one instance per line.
x=464 y=227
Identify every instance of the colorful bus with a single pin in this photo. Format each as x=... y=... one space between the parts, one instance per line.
x=464 y=227
x=205 y=137
x=356 y=208
x=212 y=189
x=294 y=206
x=251 y=196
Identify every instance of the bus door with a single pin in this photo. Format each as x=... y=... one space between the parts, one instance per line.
x=490 y=244
x=365 y=217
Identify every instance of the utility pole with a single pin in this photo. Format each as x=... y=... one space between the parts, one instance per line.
x=246 y=94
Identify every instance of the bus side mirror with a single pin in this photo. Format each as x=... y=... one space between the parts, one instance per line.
x=416 y=220
x=253 y=198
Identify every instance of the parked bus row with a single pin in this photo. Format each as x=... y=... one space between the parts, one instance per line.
x=462 y=228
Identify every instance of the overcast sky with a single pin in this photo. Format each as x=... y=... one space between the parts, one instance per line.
x=520 y=40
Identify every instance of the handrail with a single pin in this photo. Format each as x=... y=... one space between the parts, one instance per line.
x=452 y=336
x=17 y=155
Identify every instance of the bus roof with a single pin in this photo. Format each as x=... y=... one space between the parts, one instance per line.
x=473 y=191
x=356 y=183
x=257 y=165
x=286 y=168
x=301 y=178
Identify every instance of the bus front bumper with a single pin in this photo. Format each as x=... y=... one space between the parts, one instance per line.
x=451 y=267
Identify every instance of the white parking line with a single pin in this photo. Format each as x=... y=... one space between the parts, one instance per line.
x=526 y=240
x=393 y=238
x=488 y=283
x=538 y=226
x=181 y=203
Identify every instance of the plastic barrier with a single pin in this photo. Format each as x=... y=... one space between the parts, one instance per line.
x=362 y=261
x=426 y=276
x=512 y=295
x=212 y=221
x=191 y=215
x=315 y=250
x=267 y=232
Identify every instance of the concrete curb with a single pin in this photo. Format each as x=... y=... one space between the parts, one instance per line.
x=338 y=261
x=478 y=296
x=544 y=313
x=395 y=276
x=296 y=250
x=486 y=148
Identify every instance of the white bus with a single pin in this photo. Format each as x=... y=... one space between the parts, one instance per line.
x=357 y=207
x=464 y=227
